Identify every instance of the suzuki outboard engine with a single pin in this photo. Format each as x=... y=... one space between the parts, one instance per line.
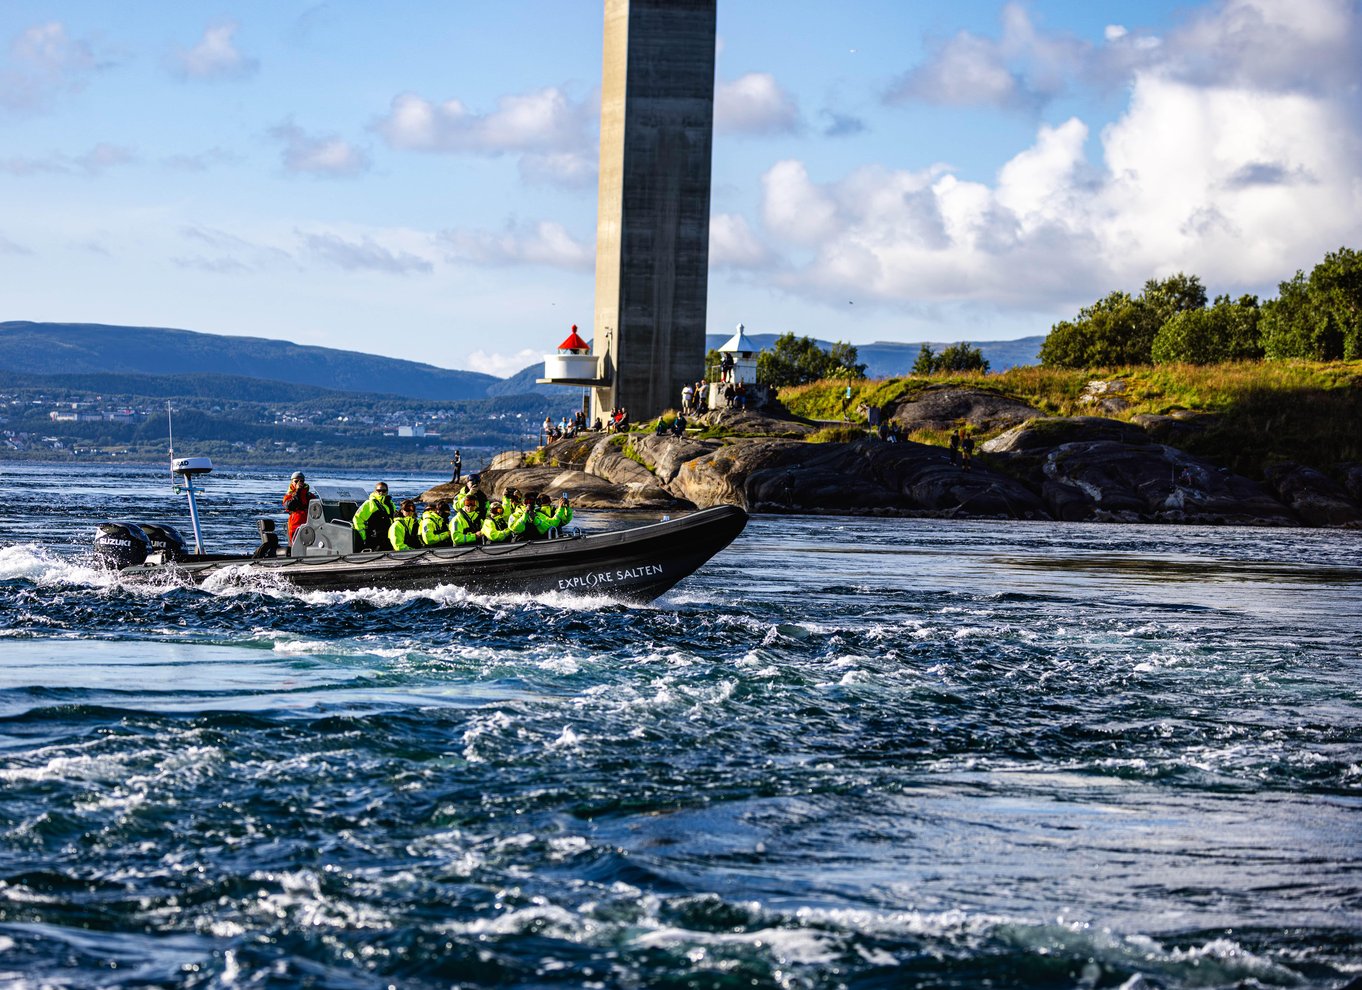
x=166 y=541
x=119 y=545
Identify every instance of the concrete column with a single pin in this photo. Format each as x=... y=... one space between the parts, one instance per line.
x=652 y=237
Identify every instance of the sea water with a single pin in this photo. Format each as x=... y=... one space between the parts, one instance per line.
x=847 y=752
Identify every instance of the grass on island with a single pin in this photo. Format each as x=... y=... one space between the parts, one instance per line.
x=1258 y=412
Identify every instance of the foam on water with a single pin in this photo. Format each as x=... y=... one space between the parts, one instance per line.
x=924 y=762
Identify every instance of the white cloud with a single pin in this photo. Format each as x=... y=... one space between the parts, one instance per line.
x=569 y=169
x=1021 y=68
x=754 y=104
x=231 y=254
x=364 y=254
x=215 y=56
x=1229 y=163
x=504 y=365
x=322 y=155
x=543 y=121
x=732 y=244
x=93 y=162
x=43 y=62
x=544 y=243
x=794 y=208
x=10 y=247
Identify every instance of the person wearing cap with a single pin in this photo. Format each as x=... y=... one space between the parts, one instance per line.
x=500 y=526
x=402 y=533
x=435 y=525
x=465 y=524
x=296 y=501
x=372 y=519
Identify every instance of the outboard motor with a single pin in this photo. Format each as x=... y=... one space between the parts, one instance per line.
x=166 y=541
x=121 y=545
x=269 y=539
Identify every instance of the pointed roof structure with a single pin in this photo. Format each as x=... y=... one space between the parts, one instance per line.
x=574 y=344
x=740 y=343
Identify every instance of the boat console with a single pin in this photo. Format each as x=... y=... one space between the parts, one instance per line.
x=327 y=531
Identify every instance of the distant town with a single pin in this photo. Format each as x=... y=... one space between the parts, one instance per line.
x=62 y=422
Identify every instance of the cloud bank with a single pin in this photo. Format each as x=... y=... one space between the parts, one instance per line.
x=1238 y=157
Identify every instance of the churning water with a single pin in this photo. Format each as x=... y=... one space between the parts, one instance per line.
x=848 y=752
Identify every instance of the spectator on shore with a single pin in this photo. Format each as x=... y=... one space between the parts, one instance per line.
x=458 y=468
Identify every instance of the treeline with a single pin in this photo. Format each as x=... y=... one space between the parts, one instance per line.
x=1316 y=317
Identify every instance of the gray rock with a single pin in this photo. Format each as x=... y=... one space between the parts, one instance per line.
x=865 y=476
x=1315 y=497
x=1352 y=479
x=943 y=407
x=1041 y=434
x=1175 y=428
x=749 y=423
x=1105 y=396
x=666 y=454
x=1107 y=481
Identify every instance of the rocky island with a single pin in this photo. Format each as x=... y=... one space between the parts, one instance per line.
x=1030 y=464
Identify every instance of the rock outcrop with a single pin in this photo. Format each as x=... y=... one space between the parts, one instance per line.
x=1314 y=496
x=944 y=407
x=1079 y=468
x=1106 y=481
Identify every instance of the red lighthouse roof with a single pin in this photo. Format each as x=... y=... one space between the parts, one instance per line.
x=574 y=342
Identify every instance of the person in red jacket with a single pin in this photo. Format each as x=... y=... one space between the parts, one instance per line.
x=296 y=502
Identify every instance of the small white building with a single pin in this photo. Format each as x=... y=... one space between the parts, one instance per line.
x=738 y=359
x=574 y=364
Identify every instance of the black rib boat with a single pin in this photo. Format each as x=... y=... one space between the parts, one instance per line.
x=636 y=564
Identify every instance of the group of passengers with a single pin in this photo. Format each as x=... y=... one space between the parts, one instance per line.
x=470 y=518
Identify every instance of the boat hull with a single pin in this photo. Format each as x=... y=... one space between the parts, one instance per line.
x=632 y=564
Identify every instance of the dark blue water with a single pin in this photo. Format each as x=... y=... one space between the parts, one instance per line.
x=857 y=753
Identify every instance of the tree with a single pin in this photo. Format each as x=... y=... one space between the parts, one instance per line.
x=1113 y=331
x=962 y=357
x=1175 y=294
x=1227 y=331
x=1120 y=329
x=799 y=360
x=956 y=357
x=1319 y=317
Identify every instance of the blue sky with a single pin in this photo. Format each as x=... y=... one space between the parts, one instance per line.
x=418 y=180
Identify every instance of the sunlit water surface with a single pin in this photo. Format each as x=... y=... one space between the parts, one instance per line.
x=848 y=752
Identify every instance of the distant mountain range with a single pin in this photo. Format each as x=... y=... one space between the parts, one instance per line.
x=94 y=348
x=99 y=349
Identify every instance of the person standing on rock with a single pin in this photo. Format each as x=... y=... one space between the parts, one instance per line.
x=955 y=447
x=458 y=468
x=966 y=450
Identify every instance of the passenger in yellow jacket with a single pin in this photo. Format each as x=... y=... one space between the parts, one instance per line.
x=435 y=525
x=402 y=534
x=498 y=527
x=545 y=519
x=372 y=519
x=465 y=526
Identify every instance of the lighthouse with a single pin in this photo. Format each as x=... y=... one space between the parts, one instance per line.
x=573 y=364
